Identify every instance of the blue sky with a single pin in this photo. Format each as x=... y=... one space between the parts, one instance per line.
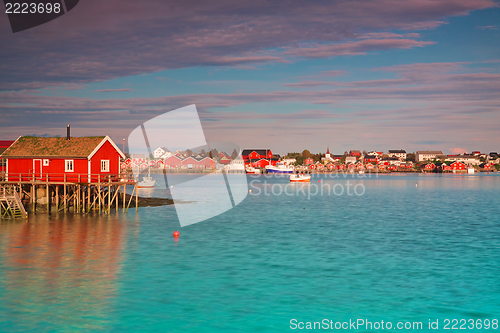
x=350 y=75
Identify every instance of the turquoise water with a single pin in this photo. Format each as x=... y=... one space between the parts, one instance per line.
x=399 y=252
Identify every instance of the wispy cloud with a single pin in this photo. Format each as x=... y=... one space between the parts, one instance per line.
x=425 y=104
x=113 y=90
x=221 y=33
x=487 y=27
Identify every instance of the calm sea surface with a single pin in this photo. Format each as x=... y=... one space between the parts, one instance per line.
x=398 y=252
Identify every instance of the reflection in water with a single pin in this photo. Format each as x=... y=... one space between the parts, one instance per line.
x=59 y=272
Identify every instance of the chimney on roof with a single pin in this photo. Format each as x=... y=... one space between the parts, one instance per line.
x=68 y=133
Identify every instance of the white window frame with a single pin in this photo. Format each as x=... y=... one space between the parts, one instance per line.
x=105 y=166
x=45 y=162
x=66 y=169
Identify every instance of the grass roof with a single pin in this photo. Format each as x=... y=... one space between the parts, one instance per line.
x=33 y=146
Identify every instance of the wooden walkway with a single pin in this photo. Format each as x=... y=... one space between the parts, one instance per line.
x=44 y=193
x=11 y=205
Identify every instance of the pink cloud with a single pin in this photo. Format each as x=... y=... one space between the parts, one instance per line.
x=457 y=150
x=354 y=48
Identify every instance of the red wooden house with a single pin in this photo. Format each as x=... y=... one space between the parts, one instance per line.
x=355 y=153
x=370 y=159
x=172 y=162
x=308 y=161
x=259 y=163
x=4 y=144
x=485 y=166
x=256 y=154
x=445 y=167
x=458 y=166
x=75 y=159
x=430 y=167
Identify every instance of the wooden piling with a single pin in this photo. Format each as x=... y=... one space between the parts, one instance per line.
x=57 y=198
x=65 y=195
x=33 y=193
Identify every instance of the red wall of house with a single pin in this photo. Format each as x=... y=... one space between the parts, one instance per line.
x=106 y=152
x=172 y=162
x=207 y=163
x=55 y=169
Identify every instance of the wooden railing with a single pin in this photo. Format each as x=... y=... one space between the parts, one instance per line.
x=68 y=177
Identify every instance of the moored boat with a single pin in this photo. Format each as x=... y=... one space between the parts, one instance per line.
x=279 y=168
x=300 y=178
x=147 y=181
x=252 y=170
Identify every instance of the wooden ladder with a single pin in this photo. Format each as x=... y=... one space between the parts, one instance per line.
x=11 y=204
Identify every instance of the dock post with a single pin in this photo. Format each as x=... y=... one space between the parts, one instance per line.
x=136 y=197
x=117 y=190
x=33 y=191
x=79 y=195
x=57 y=198
x=47 y=190
x=109 y=198
x=88 y=196
x=99 y=191
x=124 y=190
x=65 y=194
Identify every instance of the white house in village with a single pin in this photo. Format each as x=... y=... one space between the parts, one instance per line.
x=427 y=155
x=465 y=159
x=161 y=152
x=288 y=161
x=236 y=165
x=350 y=159
x=399 y=153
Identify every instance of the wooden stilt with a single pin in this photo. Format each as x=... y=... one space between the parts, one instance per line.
x=33 y=193
x=99 y=191
x=124 y=190
x=65 y=195
x=57 y=198
x=109 y=198
x=136 y=201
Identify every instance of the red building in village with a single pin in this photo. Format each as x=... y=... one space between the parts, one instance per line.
x=4 y=144
x=72 y=159
x=458 y=166
x=176 y=162
x=256 y=154
x=259 y=158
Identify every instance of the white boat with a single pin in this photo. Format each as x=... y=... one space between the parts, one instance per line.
x=470 y=170
x=300 y=178
x=147 y=182
x=252 y=170
x=279 y=168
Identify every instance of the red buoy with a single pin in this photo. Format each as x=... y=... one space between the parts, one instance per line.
x=176 y=234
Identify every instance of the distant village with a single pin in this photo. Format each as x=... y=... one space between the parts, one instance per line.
x=397 y=160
